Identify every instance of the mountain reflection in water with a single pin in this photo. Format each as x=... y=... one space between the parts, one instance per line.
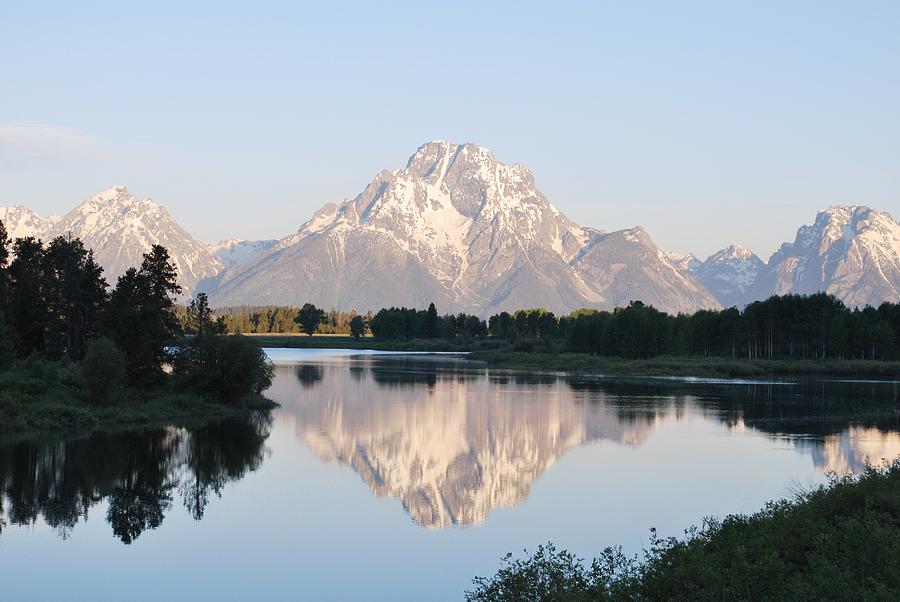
x=450 y=439
x=138 y=474
x=453 y=441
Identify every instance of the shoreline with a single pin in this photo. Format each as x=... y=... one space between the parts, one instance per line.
x=701 y=367
x=498 y=354
x=52 y=420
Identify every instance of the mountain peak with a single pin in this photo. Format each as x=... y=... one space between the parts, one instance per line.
x=735 y=251
x=458 y=227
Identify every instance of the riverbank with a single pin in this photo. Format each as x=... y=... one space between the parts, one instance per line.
x=40 y=397
x=583 y=363
x=318 y=341
x=832 y=543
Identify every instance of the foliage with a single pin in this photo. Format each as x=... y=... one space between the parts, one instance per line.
x=103 y=368
x=357 y=326
x=140 y=316
x=229 y=368
x=309 y=317
x=406 y=324
x=814 y=326
x=265 y=319
x=54 y=305
x=834 y=542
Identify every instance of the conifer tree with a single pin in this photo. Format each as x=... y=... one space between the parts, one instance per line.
x=76 y=292
x=28 y=313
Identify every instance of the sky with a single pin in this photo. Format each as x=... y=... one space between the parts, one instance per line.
x=707 y=123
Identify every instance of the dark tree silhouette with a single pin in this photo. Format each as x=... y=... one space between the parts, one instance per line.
x=309 y=317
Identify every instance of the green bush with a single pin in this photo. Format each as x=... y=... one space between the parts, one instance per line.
x=226 y=368
x=103 y=368
x=838 y=542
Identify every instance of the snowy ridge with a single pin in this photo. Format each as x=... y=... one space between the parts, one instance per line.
x=21 y=222
x=120 y=229
x=234 y=251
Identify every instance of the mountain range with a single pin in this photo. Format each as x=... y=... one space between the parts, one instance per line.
x=457 y=227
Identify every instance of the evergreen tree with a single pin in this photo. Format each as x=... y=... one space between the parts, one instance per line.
x=431 y=322
x=141 y=317
x=4 y=264
x=75 y=292
x=28 y=312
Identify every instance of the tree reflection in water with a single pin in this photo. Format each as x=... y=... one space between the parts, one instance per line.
x=138 y=473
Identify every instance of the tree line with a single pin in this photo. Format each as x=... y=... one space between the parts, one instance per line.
x=56 y=304
x=265 y=319
x=811 y=326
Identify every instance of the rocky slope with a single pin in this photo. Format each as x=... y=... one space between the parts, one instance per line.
x=850 y=251
x=731 y=275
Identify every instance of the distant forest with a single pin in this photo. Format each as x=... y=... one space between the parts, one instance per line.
x=789 y=326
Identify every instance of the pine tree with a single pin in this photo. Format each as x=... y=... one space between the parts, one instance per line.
x=28 y=313
x=4 y=264
x=141 y=317
x=75 y=291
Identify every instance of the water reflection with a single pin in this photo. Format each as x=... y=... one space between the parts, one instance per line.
x=452 y=442
x=138 y=474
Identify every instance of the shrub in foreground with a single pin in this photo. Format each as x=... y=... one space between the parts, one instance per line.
x=837 y=542
x=224 y=367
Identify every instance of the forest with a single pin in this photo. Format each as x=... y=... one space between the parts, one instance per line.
x=815 y=326
x=70 y=344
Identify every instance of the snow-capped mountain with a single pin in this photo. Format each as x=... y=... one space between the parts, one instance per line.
x=120 y=229
x=21 y=222
x=459 y=228
x=233 y=251
x=852 y=252
x=686 y=262
x=731 y=275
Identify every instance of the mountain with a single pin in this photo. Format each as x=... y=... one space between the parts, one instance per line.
x=120 y=229
x=459 y=228
x=21 y=222
x=850 y=251
x=233 y=251
x=731 y=275
x=687 y=263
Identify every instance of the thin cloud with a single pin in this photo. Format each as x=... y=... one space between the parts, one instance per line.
x=22 y=143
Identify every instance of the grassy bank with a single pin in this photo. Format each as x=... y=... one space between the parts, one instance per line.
x=38 y=396
x=301 y=341
x=682 y=366
x=838 y=542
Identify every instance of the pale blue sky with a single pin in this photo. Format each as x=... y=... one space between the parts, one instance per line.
x=707 y=123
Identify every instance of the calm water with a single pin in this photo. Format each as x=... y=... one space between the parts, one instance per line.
x=401 y=477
